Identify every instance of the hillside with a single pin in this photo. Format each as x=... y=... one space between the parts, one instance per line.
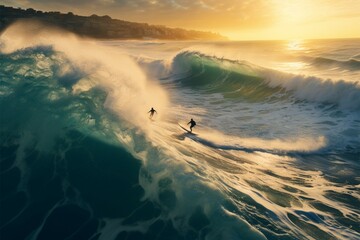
x=102 y=27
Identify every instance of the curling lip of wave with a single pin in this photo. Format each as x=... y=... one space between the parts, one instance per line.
x=91 y=61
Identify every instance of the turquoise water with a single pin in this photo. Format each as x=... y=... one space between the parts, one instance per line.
x=275 y=155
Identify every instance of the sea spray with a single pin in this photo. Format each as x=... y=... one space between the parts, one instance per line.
x=85 y=61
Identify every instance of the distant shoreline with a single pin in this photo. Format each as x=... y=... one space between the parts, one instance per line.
x=102 y=27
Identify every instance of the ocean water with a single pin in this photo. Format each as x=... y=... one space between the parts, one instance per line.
x=275 y=153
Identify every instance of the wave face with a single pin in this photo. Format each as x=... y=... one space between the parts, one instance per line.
x=274 y=155
x=214 y=75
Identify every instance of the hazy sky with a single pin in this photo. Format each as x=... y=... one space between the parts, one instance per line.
x=241 y=19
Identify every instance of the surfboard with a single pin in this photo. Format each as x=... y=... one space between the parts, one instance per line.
x=186 y=130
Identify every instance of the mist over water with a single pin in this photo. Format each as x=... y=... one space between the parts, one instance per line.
x=275 y=154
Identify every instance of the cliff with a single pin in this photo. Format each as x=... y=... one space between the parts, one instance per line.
x=102 y=27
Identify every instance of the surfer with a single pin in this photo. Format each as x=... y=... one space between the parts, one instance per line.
x=192 y=124
x=152 y=111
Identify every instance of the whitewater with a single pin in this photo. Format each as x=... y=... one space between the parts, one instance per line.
x=275 y=153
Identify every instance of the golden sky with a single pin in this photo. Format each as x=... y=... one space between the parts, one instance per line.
x=239 y=20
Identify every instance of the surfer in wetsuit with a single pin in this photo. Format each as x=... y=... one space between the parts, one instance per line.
x=192 y=124
x=152 y=111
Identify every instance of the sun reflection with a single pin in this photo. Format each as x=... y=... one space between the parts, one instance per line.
x=296 y=45
x=293 y=65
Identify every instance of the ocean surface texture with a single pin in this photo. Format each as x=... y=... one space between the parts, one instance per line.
x=275 y=153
